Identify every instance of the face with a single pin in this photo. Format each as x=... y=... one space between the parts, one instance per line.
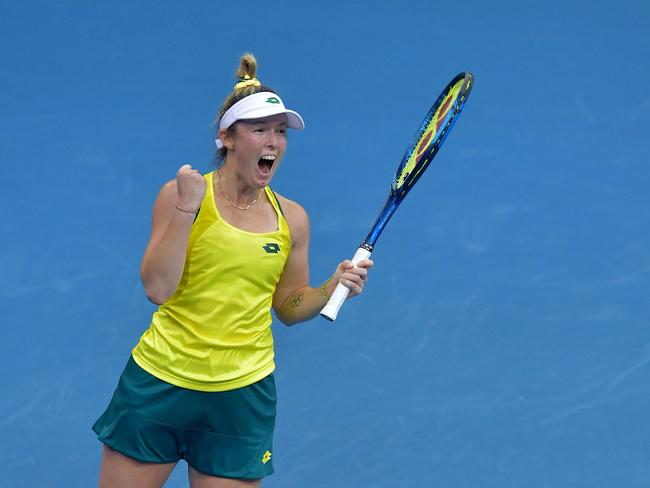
x=256 y=148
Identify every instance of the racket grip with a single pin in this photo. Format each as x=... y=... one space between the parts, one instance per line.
x=341 y=292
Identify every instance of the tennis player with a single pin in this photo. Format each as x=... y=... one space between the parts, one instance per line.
x=224 y=249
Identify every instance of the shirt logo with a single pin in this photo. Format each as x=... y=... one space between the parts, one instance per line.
x=267 y=457
x=272 y=100
x=271 y=248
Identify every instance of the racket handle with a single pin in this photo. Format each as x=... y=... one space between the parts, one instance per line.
x=331 y=309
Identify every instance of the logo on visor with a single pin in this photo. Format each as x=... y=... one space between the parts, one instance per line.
x=272 y=100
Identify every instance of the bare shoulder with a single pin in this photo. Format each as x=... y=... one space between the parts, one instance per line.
x=168 y=187
x=167 y=192
x=295 y=215
x=163 y=207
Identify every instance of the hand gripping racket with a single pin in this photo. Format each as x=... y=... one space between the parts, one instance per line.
x=426 y=143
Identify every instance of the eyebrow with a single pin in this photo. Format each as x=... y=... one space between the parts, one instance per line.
x=261 y=121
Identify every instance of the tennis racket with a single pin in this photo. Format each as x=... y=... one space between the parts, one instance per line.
x=427 y=141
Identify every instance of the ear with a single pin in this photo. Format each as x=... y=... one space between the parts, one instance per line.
x=226 y=137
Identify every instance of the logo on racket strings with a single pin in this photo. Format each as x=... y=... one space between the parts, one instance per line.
x=423 y=145
x=443 y=111
x=438 y=118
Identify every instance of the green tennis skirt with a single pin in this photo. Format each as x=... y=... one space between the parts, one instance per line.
x=226 y=433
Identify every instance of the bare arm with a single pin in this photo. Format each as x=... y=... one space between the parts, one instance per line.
x=164 y=258
x=294 y=300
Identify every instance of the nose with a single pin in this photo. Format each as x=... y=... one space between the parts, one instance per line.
x=272 y=139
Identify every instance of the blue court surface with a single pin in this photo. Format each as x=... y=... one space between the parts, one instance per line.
x=503 y=340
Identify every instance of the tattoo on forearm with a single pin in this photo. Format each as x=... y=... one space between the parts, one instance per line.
x=295 y=301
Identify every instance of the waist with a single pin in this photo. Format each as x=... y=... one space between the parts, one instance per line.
x=205 y=357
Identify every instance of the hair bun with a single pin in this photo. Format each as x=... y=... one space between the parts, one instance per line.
x=247 y=67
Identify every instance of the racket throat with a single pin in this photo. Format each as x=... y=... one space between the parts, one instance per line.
x=387 y=212
x=366 y=246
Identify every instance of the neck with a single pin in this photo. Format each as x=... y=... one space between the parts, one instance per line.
x=236 y=187
x=235 y=190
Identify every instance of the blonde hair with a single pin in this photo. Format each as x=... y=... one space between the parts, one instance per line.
x=247 y=85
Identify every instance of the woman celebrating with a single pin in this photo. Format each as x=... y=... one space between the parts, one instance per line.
x=224 y=249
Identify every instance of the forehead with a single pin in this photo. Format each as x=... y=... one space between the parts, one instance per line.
x=277 y=119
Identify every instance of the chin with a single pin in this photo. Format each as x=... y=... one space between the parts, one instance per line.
x=262 y=180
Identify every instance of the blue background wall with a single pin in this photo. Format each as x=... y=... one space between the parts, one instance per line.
x=503 y=340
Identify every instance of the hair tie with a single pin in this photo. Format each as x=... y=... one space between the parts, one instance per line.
x=246 y=82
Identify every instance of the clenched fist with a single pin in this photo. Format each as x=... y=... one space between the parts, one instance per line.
x=191 y=188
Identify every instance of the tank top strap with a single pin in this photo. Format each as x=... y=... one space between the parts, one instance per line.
x=274 y=198
x=282 y=221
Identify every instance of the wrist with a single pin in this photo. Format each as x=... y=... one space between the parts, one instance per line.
x=186 y=209
x=184 y=206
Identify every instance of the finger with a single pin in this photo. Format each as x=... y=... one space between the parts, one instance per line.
x=185 y=167
x=363 y=273
x=354 y=287
x=366 y=263
x=357 y=273
x=346 y=284
x=344 y=266
x=355 y=278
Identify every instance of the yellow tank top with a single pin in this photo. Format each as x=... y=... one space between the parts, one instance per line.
x=214 y=332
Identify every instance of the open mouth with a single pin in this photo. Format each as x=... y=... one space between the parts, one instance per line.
x=266 y=163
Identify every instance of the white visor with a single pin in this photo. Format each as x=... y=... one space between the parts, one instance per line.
x=257 y=106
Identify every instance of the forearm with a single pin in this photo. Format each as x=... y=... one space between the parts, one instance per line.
x=304 y=304
x=162 y=266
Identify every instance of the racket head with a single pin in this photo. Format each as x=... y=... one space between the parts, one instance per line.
x=431 y=134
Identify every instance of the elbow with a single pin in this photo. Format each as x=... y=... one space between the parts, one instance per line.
x=286 y=319
x=156 y=293
x=155 y=298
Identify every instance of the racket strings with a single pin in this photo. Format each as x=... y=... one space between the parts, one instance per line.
x=430 y=135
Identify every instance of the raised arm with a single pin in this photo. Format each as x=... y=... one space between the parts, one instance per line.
x=173 y=215
x=294 y=300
